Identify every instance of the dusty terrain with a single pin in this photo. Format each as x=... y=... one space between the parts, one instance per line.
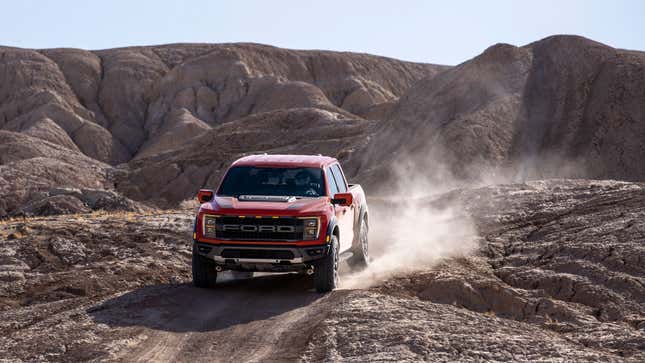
x=558 y=275
x=99 y=148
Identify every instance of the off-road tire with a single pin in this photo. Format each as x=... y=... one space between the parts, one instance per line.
x=326 y=269
x=204 y=274
x=360 y=253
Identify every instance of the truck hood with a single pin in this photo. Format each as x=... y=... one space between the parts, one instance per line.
x=230 y=205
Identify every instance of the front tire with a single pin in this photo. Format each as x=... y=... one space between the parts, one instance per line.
x=326 y=272
x=204 y=274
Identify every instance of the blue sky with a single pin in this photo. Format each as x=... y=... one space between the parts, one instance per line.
x=445 y=32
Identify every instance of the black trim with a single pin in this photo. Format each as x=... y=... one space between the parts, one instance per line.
x=271 y=254
x=276 y=254
x=230 y=245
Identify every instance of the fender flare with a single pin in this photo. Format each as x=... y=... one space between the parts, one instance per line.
x=194 y=230
x=362 y=212
x=333 y=222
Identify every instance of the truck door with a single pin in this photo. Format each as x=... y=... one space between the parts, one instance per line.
x=345 y=214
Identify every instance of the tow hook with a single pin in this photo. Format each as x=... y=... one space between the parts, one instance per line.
x=310 y=270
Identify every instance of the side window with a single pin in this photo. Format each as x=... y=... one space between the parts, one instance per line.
x=333 y=189
x=340 y=181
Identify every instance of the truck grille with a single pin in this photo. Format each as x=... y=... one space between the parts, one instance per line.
x=259 y=229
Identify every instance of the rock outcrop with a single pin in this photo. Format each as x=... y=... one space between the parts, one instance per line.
x=38 y=177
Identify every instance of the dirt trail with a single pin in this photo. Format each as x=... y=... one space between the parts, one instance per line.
x=261 y=319
x=117 y=287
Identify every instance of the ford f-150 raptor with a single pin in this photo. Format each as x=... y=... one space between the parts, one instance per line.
x=281 y=213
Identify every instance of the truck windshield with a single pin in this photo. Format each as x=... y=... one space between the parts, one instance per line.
x=252 y=180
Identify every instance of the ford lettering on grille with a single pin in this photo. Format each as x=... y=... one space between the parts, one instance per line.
x=252 y=228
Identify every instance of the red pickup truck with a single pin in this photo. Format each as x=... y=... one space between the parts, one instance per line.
x=281 y=213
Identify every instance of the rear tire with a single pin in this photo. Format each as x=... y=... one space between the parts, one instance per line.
x=360 y=256
x=326 y=271
x=204 y=274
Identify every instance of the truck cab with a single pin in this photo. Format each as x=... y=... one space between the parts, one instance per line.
x=281 y=213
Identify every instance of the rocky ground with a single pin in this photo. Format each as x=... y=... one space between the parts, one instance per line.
x=558 y=275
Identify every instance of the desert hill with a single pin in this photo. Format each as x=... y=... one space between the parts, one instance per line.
x=115 y=106
x=164 y=121
x=112 y=105
x=564 y=106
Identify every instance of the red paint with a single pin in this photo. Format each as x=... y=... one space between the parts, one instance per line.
x=344 y=215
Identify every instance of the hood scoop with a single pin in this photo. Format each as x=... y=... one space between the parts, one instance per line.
x=266 y=198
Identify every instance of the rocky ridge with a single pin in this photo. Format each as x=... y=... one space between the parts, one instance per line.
x=154 y=119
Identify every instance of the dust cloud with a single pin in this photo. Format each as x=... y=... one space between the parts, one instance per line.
x=409 y=232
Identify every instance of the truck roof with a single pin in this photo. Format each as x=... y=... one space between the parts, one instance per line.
x=309 y=161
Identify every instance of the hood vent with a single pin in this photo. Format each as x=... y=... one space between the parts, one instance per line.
x=266 y=198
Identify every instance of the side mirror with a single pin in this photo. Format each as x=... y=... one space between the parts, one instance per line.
x=205 y=195
x=344 y=199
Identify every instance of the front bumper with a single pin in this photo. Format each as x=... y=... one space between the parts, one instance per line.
x=261 y=257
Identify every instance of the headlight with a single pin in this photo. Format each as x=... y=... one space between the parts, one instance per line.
x=209 y=226
x=311 y=228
